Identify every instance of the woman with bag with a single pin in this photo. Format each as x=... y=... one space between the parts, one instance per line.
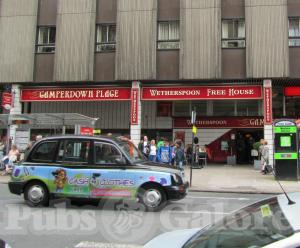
x=12 y=157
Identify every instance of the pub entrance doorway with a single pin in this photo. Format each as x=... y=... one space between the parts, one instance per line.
x=245 y=138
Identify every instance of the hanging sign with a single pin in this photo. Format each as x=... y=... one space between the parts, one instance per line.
x=134 y=106
x=268 y=114
x=6 y=100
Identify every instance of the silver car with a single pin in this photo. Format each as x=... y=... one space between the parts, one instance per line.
x=3 y=244
x=270 y=223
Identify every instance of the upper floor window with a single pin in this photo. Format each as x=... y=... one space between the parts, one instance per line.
x=233 y=33
x=168 y=35
x=294 y=31
x=46 y=39
x=106 y=37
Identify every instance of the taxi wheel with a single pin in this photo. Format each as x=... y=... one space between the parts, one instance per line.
x=153 y=198
x=36 y=194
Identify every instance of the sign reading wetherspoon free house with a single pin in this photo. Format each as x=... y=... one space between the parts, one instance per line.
x=202 y=92
x=72 y=94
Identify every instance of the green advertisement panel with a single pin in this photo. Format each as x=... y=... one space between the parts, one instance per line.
x=290 y=156
x=286 y=129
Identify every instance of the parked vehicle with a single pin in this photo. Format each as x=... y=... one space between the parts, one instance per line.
x=270 y=223
x=91 y=168
x=3 y=244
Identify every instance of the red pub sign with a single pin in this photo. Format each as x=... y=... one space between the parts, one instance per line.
x=268 y=115
x=202 y=92
x=72 y=94
x=292 y=91
x=220 y=122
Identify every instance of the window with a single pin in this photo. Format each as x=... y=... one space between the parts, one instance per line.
x=164 y=109
x=247 y=107
x=292 y=105
x=46 y=40
x=74 y=151
x=106 y=38
x=233 y=33
x=182 y=108
x=106 y=153
x=45 y=152
x=168 y=35
x=201 y=107
x=294 y=31
x=224 y=108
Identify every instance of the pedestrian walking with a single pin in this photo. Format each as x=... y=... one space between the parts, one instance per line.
x=173 y=148
x=38 y=137
x=179 y=155
x=28 y=148
x=2 y=146
x=164 y=154
x=264 y=157
x=189 y=153
x=12 y=157
x=153 y=151
x=144 y=146
x=160 y=142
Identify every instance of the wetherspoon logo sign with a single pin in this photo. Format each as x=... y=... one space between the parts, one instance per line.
x=71 y=94
x=202 y=92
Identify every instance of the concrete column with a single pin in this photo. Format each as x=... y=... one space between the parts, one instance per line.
x=15 y=109
x=135 y=127
x=268 y=118
x=268 y=136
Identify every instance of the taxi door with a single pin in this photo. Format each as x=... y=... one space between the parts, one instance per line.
x=71 y=178
x=110 y=177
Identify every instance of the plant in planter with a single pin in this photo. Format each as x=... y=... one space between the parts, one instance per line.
x=255 y=154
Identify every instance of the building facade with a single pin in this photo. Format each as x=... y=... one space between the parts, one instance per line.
x=142 y=66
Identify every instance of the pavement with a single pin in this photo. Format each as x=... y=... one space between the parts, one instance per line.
x=231 y=179
x=237 y=179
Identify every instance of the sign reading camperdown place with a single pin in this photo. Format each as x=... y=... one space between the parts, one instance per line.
x=72 y=94
x=202 y=92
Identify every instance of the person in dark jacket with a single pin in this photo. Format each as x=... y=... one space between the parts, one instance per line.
x=179 y=155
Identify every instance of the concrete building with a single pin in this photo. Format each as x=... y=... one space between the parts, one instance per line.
x=141 y=66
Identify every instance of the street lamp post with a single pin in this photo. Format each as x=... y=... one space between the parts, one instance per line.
x=193 y=121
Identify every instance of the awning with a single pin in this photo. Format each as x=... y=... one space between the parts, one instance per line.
x=47 y=120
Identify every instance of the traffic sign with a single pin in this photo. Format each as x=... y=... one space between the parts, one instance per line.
x=194 y=129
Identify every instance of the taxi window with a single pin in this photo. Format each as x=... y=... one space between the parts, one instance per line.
x=45 y=152
x=74 y=151
x=105 y=153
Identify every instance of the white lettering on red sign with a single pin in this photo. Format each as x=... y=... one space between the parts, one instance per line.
x=134 y=106
x=202 y=92
x=268 y=105
x=66 y=94
x=175 y=92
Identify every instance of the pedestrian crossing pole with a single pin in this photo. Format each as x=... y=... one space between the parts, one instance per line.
x=194 y=130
